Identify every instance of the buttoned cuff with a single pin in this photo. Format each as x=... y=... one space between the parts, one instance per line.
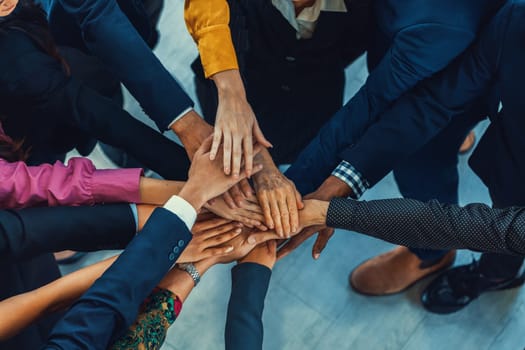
x=116 y=185
x=184 y=210
x=353 y=178
x=216 y=50
x=182 y=114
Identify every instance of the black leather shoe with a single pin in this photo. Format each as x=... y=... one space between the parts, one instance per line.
x=456 y=288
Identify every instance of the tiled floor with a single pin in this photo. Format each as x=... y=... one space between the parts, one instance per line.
x=309 y=304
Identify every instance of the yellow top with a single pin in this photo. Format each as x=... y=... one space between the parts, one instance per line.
x=207 y=22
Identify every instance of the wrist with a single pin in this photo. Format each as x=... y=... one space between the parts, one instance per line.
x=229 y=83
x=193 y=196
x=192 y=130
x=333 y=187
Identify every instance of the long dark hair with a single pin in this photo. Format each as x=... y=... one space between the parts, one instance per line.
x=31 y=19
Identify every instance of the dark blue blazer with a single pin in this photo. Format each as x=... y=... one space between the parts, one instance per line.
x=111 y=305
x=29 y=236
x=108 y=34
x=413 y=40
x=244 y=328
x=496 y=62
x=34 y=90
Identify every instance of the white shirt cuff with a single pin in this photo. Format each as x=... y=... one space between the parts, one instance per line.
x=178 y=206
x=182 y=114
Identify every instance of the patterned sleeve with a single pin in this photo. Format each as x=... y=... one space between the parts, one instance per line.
x=157 y=314
x=433 y=225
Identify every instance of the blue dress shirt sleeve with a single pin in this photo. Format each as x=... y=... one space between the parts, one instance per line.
x=109 y=35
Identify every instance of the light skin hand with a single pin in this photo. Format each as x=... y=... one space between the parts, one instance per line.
x=278 y=198
x=205 y=171
x=249 y=214
x=331 y=187
x=236 y=126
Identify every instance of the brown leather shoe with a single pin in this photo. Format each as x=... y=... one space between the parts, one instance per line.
x=394 y=271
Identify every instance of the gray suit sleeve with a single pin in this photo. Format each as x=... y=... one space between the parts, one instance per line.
x=433 y=225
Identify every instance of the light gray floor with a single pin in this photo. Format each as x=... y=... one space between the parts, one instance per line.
x=309 y=304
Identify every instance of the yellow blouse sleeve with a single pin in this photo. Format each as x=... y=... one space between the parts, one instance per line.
x=207 y=22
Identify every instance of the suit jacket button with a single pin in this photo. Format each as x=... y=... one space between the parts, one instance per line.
x=176 y=250
x=286 y=88
x=181 y=243
x=290 y=58
x=172 y=256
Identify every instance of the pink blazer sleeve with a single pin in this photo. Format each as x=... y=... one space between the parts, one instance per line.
x=77 y=183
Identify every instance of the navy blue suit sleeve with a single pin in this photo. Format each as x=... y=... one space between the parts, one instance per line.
x=111 y=305
x=244 y=328
x=27 y=233
x=421 y=114
x=416 y=53
x=109 y=35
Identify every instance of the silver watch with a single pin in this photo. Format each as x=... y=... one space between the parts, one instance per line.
x=191 y=270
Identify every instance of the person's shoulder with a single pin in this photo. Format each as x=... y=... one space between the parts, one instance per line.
x=14 y=42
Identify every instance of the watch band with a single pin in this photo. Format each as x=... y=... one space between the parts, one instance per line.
x=192 y=271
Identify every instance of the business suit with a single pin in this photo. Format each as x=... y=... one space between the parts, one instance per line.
x=244 y=328
x=111 y=305
x=99 y=26
x=278 y=67
x=28 y=236
x=35 y=90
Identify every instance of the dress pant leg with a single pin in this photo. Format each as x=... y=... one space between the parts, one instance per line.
x=431 y=173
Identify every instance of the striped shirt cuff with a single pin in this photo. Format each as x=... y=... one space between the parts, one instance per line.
x=353 y=178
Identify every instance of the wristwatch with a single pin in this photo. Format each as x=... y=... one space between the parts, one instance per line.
x=191 y=270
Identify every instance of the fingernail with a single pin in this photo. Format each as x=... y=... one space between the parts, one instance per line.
x=294 y=229
x=316 y=256
x=251 y=240
x=228 y=249
x=238 y=230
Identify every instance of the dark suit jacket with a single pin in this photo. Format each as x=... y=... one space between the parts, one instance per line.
x=111 y=305
x=413 y=40
x=28 y=236
x=495 y=61
x=54 y=112
x=108 y=34
x=244 y=328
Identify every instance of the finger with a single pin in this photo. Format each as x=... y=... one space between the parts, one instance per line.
x=217 y=136
x=294 y=214
x=294 y=242
x=237 y=155
x=202 y=226
x=265 y=205
x=252 y=207
x=284 y=215
x=259 y=136
x=216 y=251
x=298 y=199
x=246 y=188
x=320 y=243
x=217 y=231
x=227 y=153
x=276 y=215
x=223 y=238
x=261 y=237
x=249 y=218
x=229 y=200
x=237 y=195
x=248 y=155
x=272 y=247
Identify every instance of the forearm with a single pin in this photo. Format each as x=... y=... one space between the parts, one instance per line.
x=180 y=283
x=433 y=225
x=191 y=130
x=155 y=191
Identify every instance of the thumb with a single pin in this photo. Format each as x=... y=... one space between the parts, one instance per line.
x=259 y=136
x=320 y=243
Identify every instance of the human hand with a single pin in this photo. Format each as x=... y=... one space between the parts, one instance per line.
x=249 y=214
x=204 y=171
x=238 y=193
x=263 y=254
x=279 y=200
x=241 y=247
x=235 y=125
x=210 y=239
